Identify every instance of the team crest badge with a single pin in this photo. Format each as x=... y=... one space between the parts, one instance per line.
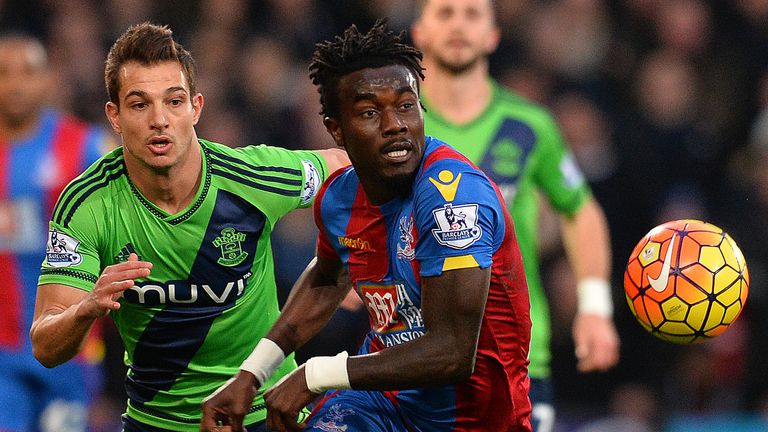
x=457 y=225
x=405 y=245
x=61 y=250
x=229 y=242
x=333 y=420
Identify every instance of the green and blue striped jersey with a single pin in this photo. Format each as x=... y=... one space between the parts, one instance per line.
x=211 y=294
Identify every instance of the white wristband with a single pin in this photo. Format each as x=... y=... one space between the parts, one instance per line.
x=326 y=373
x=594 y=297
x=264 y=359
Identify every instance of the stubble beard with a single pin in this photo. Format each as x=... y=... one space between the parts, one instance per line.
x=454 y=68
x=15 y=120
x=402 y=183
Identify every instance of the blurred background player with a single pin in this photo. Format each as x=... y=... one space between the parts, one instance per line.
x=519 y=146
x=41 y=150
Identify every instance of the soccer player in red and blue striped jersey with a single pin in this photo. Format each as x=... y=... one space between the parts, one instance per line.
x=430 y=249
x=41 y=150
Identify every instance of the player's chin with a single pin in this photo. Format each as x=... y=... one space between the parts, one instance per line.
x=399 y=180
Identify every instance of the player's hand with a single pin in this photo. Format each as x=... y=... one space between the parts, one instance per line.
x=285 y=399
x=596 y=342
x=114 y=280
x=229 y=404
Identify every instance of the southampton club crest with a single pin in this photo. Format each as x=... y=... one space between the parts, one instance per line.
x=457 y=225
x=230 y=243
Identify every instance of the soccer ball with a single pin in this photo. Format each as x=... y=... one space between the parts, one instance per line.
x=686 y=281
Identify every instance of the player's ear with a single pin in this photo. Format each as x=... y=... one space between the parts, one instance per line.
x=493 y=40
x=197 y=106
x=112 y=110
x=416 y=33
x=334 y=128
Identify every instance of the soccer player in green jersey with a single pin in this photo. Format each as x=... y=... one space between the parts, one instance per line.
x=519 y=146
x=170 y=236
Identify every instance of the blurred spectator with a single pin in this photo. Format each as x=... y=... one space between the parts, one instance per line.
x=586 y=130
x=743 y=210
x=570 y=38
x=219 y=54
x=662 y=143
x=78 y=56
x=269 y=91
x=41 y=150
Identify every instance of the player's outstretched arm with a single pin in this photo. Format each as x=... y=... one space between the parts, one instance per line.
x=452 y=308
x=64 y=315
x=335 y=158
x=313 y=300
x=587 y=246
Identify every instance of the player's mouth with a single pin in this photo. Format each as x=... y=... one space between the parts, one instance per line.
x=458 y=43
x=160 y=144
x=398 y=151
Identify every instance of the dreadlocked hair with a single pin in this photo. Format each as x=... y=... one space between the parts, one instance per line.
x=353 y=51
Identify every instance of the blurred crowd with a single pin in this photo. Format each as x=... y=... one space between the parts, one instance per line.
x=664 y=103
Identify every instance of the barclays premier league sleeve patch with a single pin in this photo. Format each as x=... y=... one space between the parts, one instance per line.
x=61 y=250
x=457 y=225
x=311 y=182
x=571 y=172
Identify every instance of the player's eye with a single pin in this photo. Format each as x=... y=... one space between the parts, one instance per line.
x=473 y=14
x=444 y=13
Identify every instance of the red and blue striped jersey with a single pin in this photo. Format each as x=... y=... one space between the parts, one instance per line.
x=33 y=172
x=453 y=218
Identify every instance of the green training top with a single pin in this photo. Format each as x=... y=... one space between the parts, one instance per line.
x=519 y=146
x=211 y=295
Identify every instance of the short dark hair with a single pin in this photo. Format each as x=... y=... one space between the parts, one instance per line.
x=148 y=44
x=420 y=4
x=353 y=51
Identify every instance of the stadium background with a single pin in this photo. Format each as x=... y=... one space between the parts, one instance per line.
x=664 y=102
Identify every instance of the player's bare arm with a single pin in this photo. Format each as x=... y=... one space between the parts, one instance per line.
x=64 y=315
x=588 y=249
x=313 y=300
x=452 y=307
x=335 y=158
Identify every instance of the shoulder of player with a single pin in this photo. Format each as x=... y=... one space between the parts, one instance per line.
x=445 y=170
x=258 y=151
x=337 y=194
x=340 y=181
x=94 y=186
x=256 y=165
x=439 y=155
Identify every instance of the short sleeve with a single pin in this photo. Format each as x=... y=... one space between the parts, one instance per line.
x=459 y=219
x=294 y=176
x=557 y=173
x=71 y=255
